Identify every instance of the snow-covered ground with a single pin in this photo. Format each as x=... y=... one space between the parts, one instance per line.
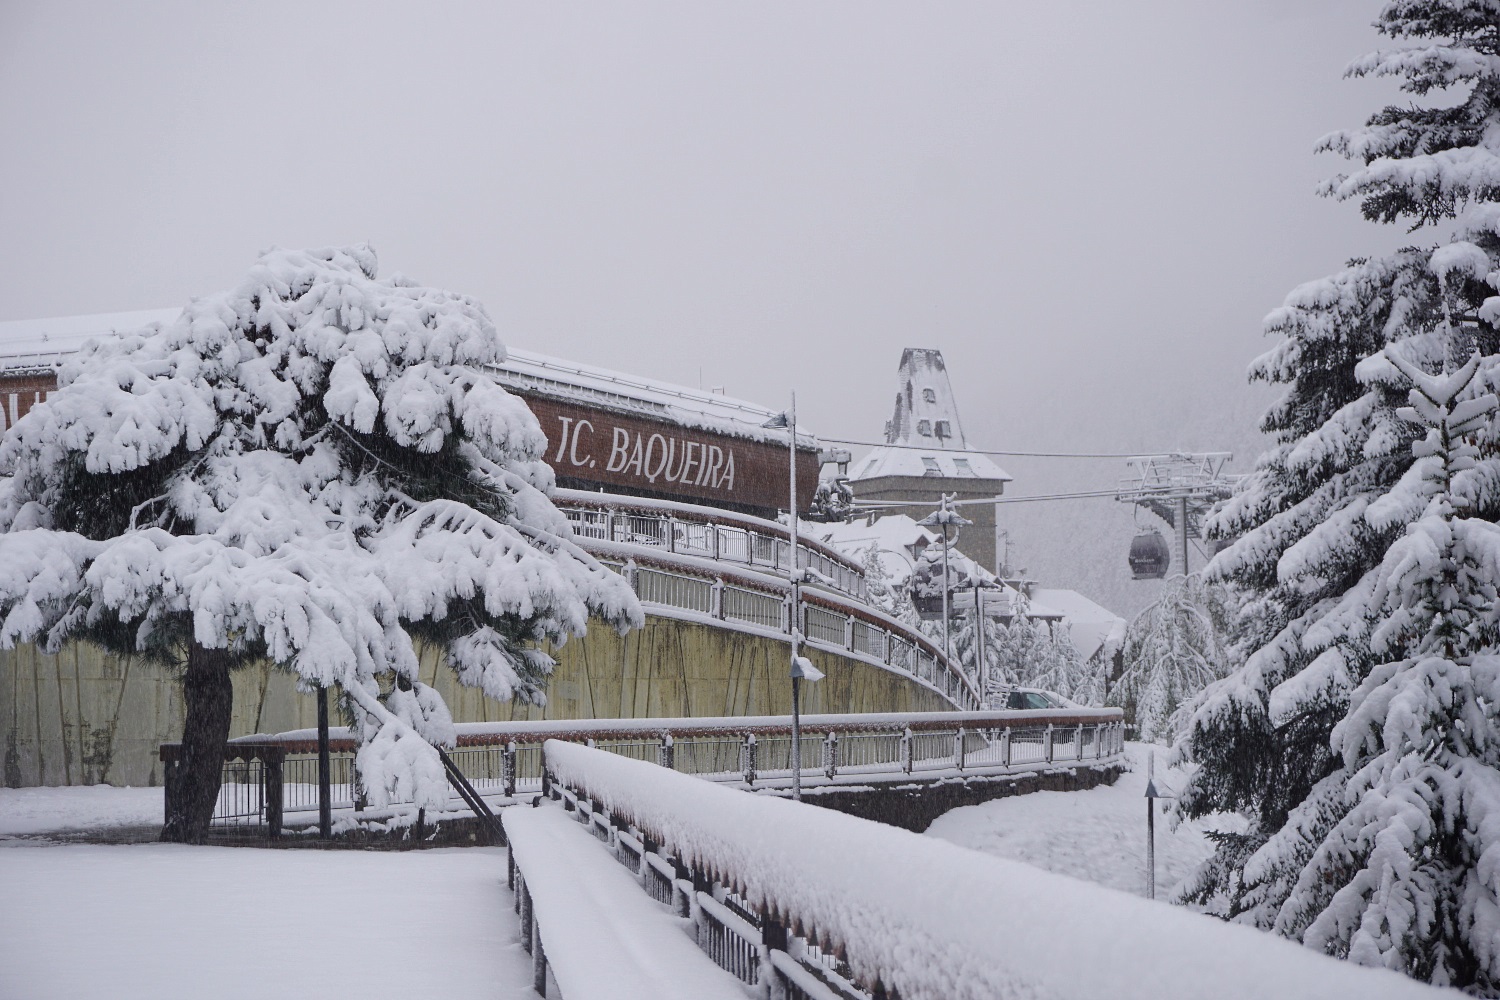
x=77 y=809
x=1097 y=835
x=158 y=920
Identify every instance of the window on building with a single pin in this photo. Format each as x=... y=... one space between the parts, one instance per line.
x=930 y=395
x=944 y=429
x=930 y=466
x=924 y=428
x=962 y=466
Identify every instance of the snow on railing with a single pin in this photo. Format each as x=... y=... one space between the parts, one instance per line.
x=707 y=532
x=829 y=620
x=836 y=906
x=268 y=777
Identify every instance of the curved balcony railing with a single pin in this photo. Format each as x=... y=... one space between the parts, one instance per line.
x=829 y=621
x=706 y=533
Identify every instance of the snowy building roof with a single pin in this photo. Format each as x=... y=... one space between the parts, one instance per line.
x=46 y=343
x=1092 y=627
x=924 y=436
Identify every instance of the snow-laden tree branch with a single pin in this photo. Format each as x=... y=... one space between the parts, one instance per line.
x=311 y=469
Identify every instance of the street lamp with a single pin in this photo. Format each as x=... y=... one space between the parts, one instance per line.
x=945 y=519
x=801 y=666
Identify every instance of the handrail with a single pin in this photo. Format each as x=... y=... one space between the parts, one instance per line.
x=668 y=524
x=269 y=776
x=784 y=895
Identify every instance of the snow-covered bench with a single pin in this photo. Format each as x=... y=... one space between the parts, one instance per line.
x=602 y=936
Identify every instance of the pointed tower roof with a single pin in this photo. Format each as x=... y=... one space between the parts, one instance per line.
x=924 y=429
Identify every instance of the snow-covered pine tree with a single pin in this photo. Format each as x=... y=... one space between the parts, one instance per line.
x=1405 y=836
x=1173 y=650
x=1313 y=517
x=968 y=632
x=311 y=469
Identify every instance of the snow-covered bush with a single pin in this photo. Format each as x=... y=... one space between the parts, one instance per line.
x=311 y=469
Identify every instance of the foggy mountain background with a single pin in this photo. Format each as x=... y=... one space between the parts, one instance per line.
x=1088 y=207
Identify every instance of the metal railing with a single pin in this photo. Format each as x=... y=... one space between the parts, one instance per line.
x=272 y=781
x=827 y=621
x=723 y=536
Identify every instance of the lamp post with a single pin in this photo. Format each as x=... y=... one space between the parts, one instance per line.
x=800 y=667
x=944 y=519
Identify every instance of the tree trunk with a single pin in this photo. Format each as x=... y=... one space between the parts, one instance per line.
x=208 y=696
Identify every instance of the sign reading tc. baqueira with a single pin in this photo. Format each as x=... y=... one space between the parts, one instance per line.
x=594 y=445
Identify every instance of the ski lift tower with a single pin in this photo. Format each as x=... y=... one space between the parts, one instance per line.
x=1180 y=488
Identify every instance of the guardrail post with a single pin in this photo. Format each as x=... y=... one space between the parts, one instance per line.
x=666 y=754
x=747 y=758
x=831 y=755
x=538 y=959
x=508 y=768
x=628 y=572
x=906 y=750
x=271 y=775
x=716 y=598
x=1005 y=747
x=958 y=748
x=786 y=613
x=849 y=633
x=1078 y=743
x=1047 y=744
x=750 y=537
x=713 y=529
x=671 y=533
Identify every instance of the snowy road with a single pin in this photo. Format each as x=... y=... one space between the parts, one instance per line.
x=163 y=921
x=1097 y=835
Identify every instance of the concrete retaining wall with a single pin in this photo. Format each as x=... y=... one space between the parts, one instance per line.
x=86 y=717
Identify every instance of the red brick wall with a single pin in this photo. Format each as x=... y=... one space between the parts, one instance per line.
x=19 y=393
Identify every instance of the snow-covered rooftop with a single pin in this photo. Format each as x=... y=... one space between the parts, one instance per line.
x=924 y=462
x=1090 y=625
x=924 y=437
x=43 y=343
x=46 y=343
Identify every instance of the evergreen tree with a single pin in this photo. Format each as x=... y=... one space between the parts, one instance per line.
x=1402 y=870
x=1173 y=650
x=1324 y=507
x=311 y=469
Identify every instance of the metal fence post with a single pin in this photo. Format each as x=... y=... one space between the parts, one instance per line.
x=508 y=768
x=1078 y=743
x=666 y=754
x=716 y=599
x=831 y=755
x=1005 y=746
x=906 y=750
x=958 y=748
x=1047 y=744
x=747 y=758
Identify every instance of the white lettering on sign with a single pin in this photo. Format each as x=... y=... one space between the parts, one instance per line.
x=656 y=458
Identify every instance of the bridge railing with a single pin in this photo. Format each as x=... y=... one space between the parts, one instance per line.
x=272 y=780
x=708 y=533
x=829 y=620
x=810 y=903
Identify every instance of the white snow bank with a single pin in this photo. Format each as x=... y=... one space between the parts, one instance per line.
x=604 y=937
x=937 y=921
x=163 y=921
x=1098 y=835
x=76 y=808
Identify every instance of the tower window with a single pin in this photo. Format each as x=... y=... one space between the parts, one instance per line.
x=944 y=429
x=962 y=467
x=924 y=428
x=930 y=466
x=930 y=395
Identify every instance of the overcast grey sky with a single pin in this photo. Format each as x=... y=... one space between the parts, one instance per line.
x=1087 y=206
